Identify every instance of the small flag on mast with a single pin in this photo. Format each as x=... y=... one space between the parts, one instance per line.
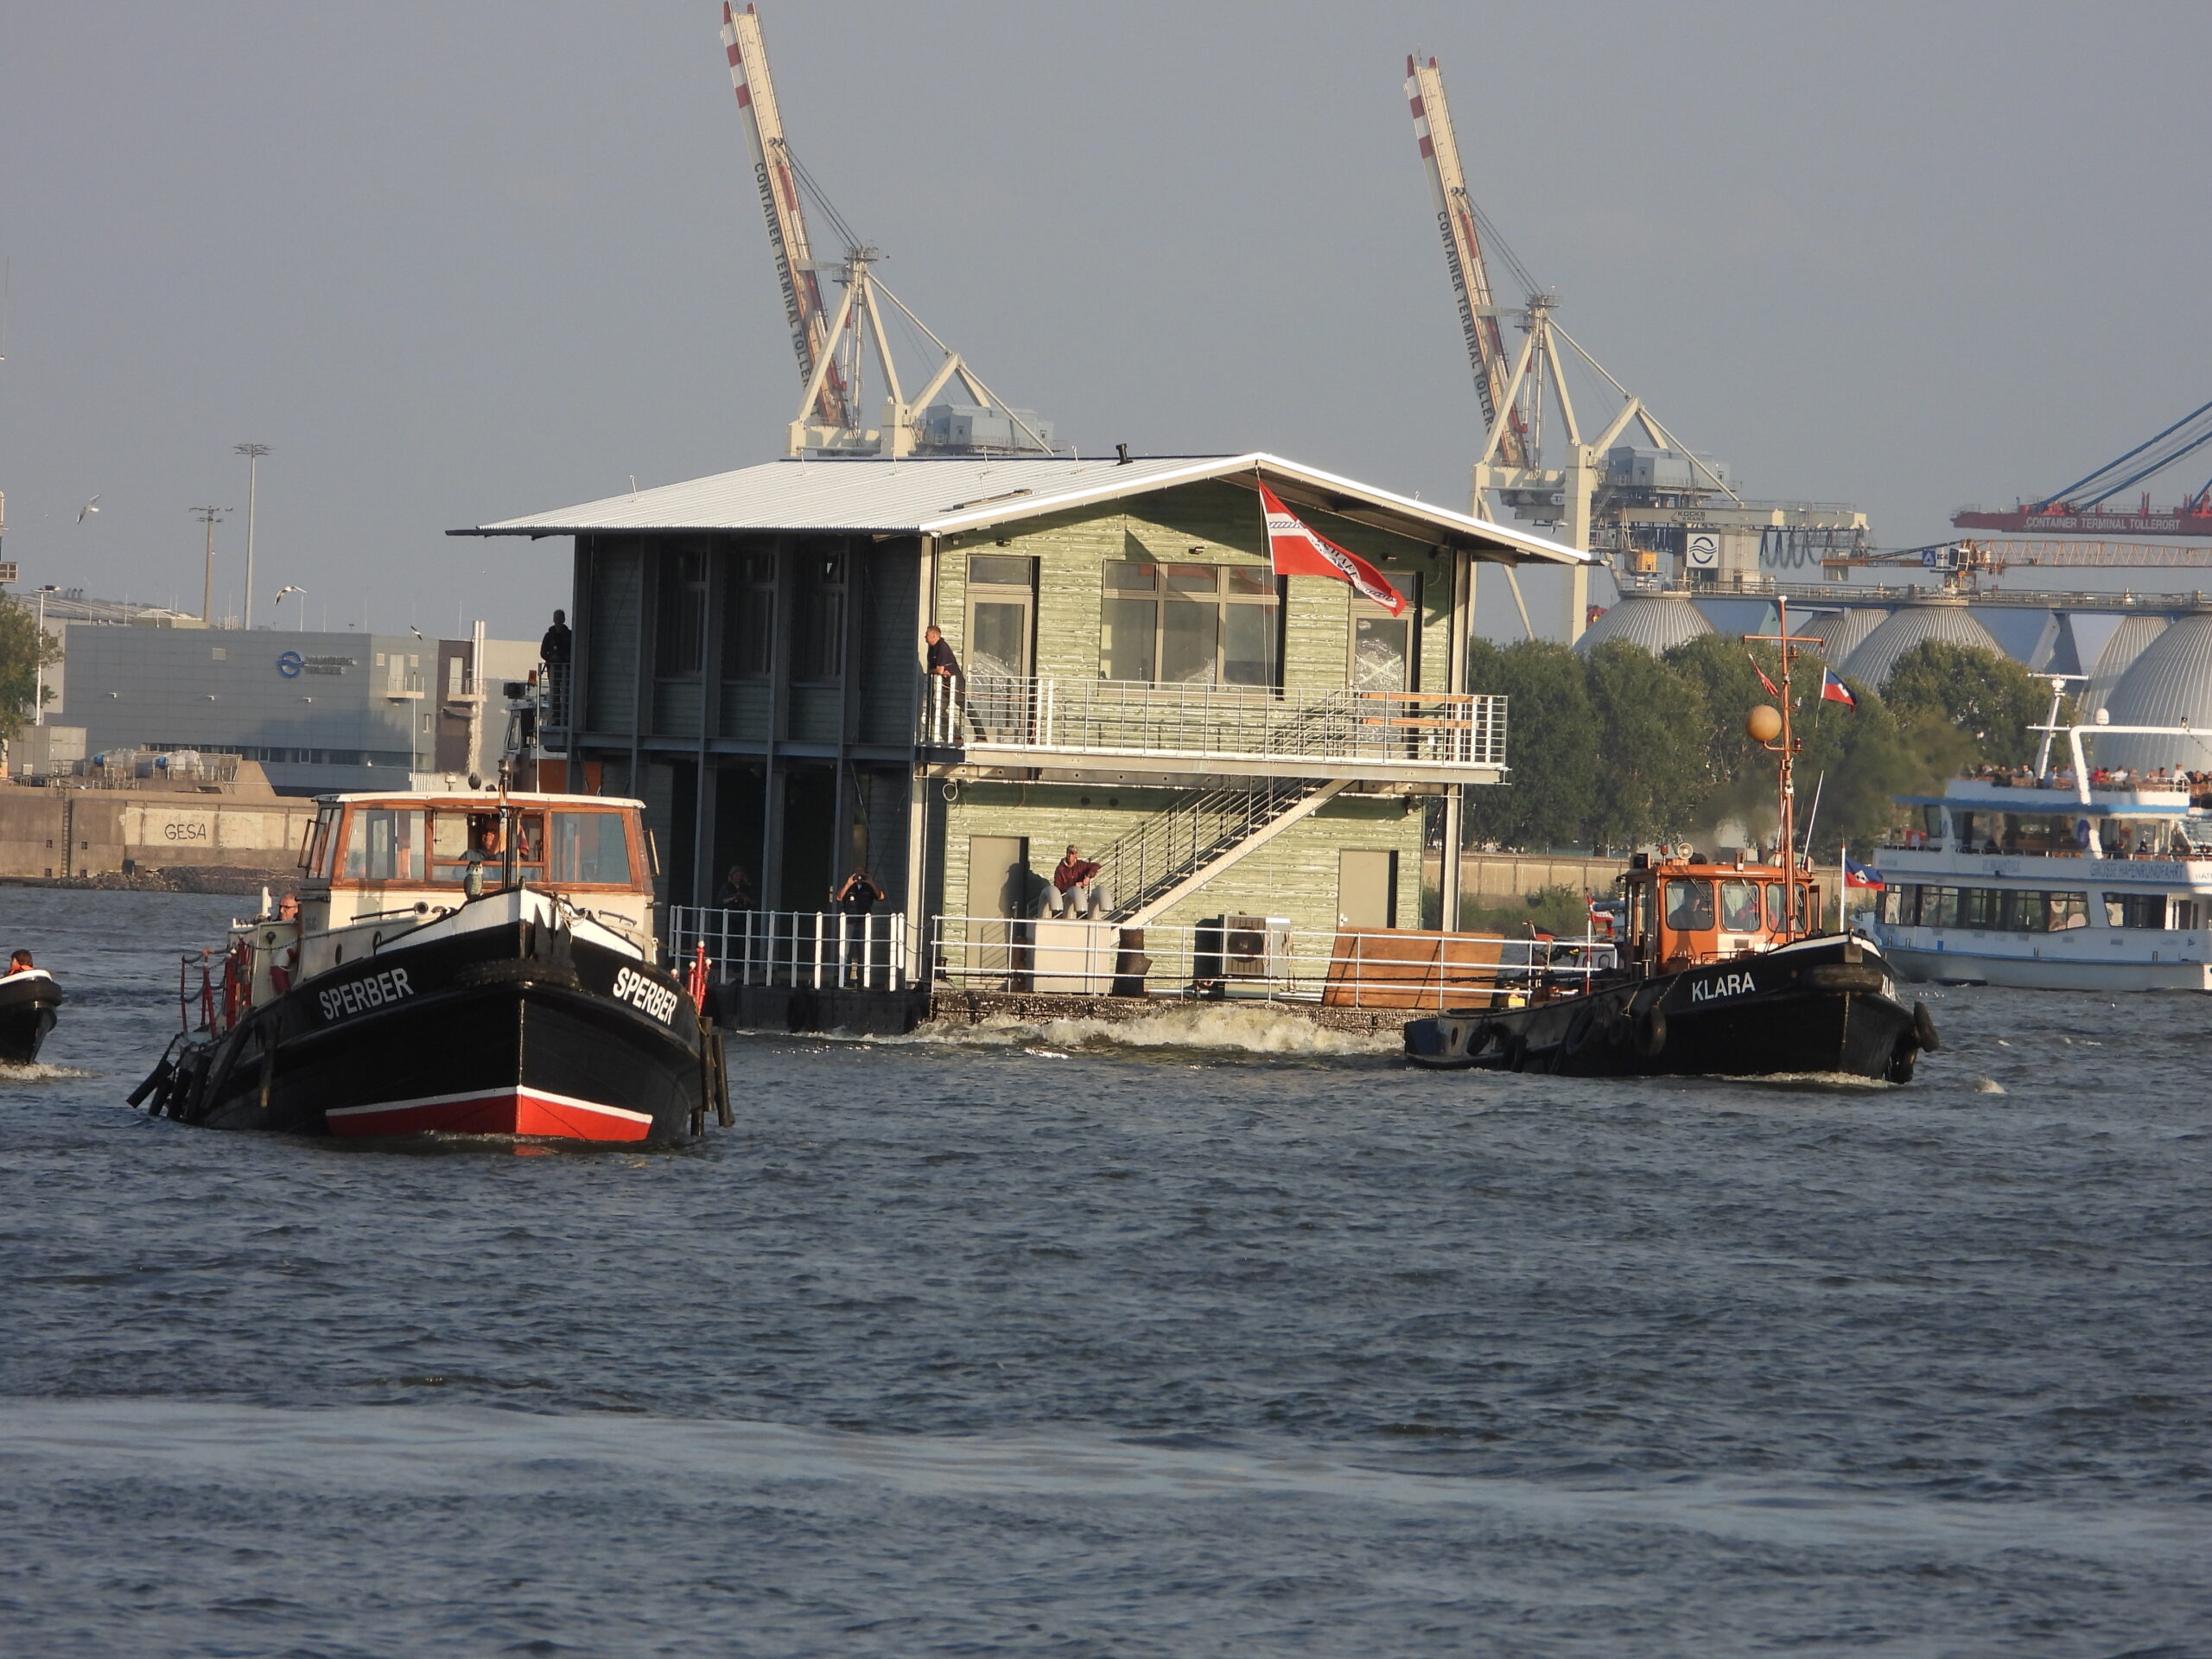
x=1298 y=551
x=1834 y=690
x=1856 y=875
x=1772 y=689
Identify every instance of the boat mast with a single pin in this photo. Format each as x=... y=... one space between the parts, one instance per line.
x=1785 y=747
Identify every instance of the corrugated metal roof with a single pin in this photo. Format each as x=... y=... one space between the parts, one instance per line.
x=944 y=496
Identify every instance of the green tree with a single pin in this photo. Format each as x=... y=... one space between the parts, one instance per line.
x=1653 y=724
x=23 y=648
x=1551 y=746
x=1982 y=693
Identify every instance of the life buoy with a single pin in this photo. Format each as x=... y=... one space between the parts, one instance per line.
x=1651 y=1033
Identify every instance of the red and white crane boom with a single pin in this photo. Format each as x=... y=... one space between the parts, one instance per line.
x=1463 y=253
x=779 y=201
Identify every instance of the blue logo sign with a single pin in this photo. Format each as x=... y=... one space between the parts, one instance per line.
x=290 y=664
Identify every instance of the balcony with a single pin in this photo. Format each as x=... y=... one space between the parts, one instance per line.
x=1121 y=725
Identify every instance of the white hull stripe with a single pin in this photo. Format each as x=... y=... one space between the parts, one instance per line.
x=485 y=1094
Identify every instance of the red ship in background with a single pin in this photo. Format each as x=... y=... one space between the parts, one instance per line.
x=2082 y=507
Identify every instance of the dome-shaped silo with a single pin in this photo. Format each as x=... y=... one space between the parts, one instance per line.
x=1657 y=622
x=1842 y=632
x=2129 y=640
x=2169 y=683
x=1907 y=630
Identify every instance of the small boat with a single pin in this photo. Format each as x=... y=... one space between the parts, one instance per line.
x=454 y=964
x=1722 y=969
x=29 y=997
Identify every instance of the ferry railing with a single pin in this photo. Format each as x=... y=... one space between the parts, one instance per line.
x=1245 y=958
x=821 y=950
x=1129 y=717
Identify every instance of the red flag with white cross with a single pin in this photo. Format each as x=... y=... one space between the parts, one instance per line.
x=1297 y=550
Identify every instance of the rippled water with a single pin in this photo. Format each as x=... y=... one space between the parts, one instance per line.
x=1221 y=1337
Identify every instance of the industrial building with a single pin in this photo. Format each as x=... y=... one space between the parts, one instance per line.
x=1135 y=680
x=317 y=711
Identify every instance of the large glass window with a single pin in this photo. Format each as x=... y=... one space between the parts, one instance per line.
x=749 y=616
x=2135 y=909
x=1188 y=623
x=590 y=846
x=818 y=613
x=1383 y=645
x=680 y=635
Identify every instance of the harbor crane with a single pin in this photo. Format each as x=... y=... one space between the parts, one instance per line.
x=833 y=345
x=1676 y=501
x=2082 y=505
x=1962 y=565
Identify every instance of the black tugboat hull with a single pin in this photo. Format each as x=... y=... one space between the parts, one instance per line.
x=482 y=1033
x=1819 y=1007
x=28 y=1001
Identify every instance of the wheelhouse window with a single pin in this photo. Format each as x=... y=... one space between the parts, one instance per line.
x=383 y=844
x=1168 y=624
x=590 y=847
x=680 y=632
x=1741 y=911
x=1689 y=906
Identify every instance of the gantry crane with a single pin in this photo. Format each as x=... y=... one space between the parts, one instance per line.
x=1962 y=564
x=2082 y=505
x=1639 y=512
x=832 y=346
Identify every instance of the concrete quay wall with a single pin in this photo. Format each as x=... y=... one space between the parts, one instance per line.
x=60 y=834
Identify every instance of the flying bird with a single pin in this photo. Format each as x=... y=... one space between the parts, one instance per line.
x=288 y=589
x=90 y=507
x=417 y=632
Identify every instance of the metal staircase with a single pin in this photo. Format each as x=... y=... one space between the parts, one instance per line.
x=1173 y=852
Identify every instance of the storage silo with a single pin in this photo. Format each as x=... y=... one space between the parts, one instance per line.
x=2169 y=683
x=1656 y=622
x=1906 y=630
x=1842 y=632
x=2129 y=640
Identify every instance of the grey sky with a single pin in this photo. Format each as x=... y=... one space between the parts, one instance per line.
x=458 y=262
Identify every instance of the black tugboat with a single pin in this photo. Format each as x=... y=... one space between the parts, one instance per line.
x=29 y=997
x=1722 y=973
x=453 y=965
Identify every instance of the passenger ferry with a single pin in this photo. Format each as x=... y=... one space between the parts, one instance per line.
x=2072 y=880
x=457 y=964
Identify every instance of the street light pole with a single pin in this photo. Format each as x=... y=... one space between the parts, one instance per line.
x=253 y=453
x=208 y=516
x=38 y=697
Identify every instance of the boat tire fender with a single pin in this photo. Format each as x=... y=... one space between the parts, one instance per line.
x=1651 y=1033
x=1923 y=1028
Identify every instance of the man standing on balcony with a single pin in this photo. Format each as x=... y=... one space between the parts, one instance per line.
x=554 y=650
x=948 y=688
x=1074 y=889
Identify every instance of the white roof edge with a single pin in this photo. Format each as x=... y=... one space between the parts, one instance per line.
x=1101 y=485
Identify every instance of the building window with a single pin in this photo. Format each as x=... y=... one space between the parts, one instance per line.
x=1385 y=648
x=680 y=633
x=1189 y=624
x=749 y=616
x=818 y=613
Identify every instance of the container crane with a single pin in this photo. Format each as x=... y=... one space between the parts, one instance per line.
x=2080 y=506
x=833 y=345
x=1514 y=388
x=1963 y=564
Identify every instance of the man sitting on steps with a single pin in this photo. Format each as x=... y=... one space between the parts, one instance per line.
x=1074 y=890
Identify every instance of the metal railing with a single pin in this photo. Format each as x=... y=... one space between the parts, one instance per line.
x=820 y=950
x=1129 y=717
x=1167 y=846
x=1258 y=959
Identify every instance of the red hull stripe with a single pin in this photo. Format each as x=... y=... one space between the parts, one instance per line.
x=494 y=1111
